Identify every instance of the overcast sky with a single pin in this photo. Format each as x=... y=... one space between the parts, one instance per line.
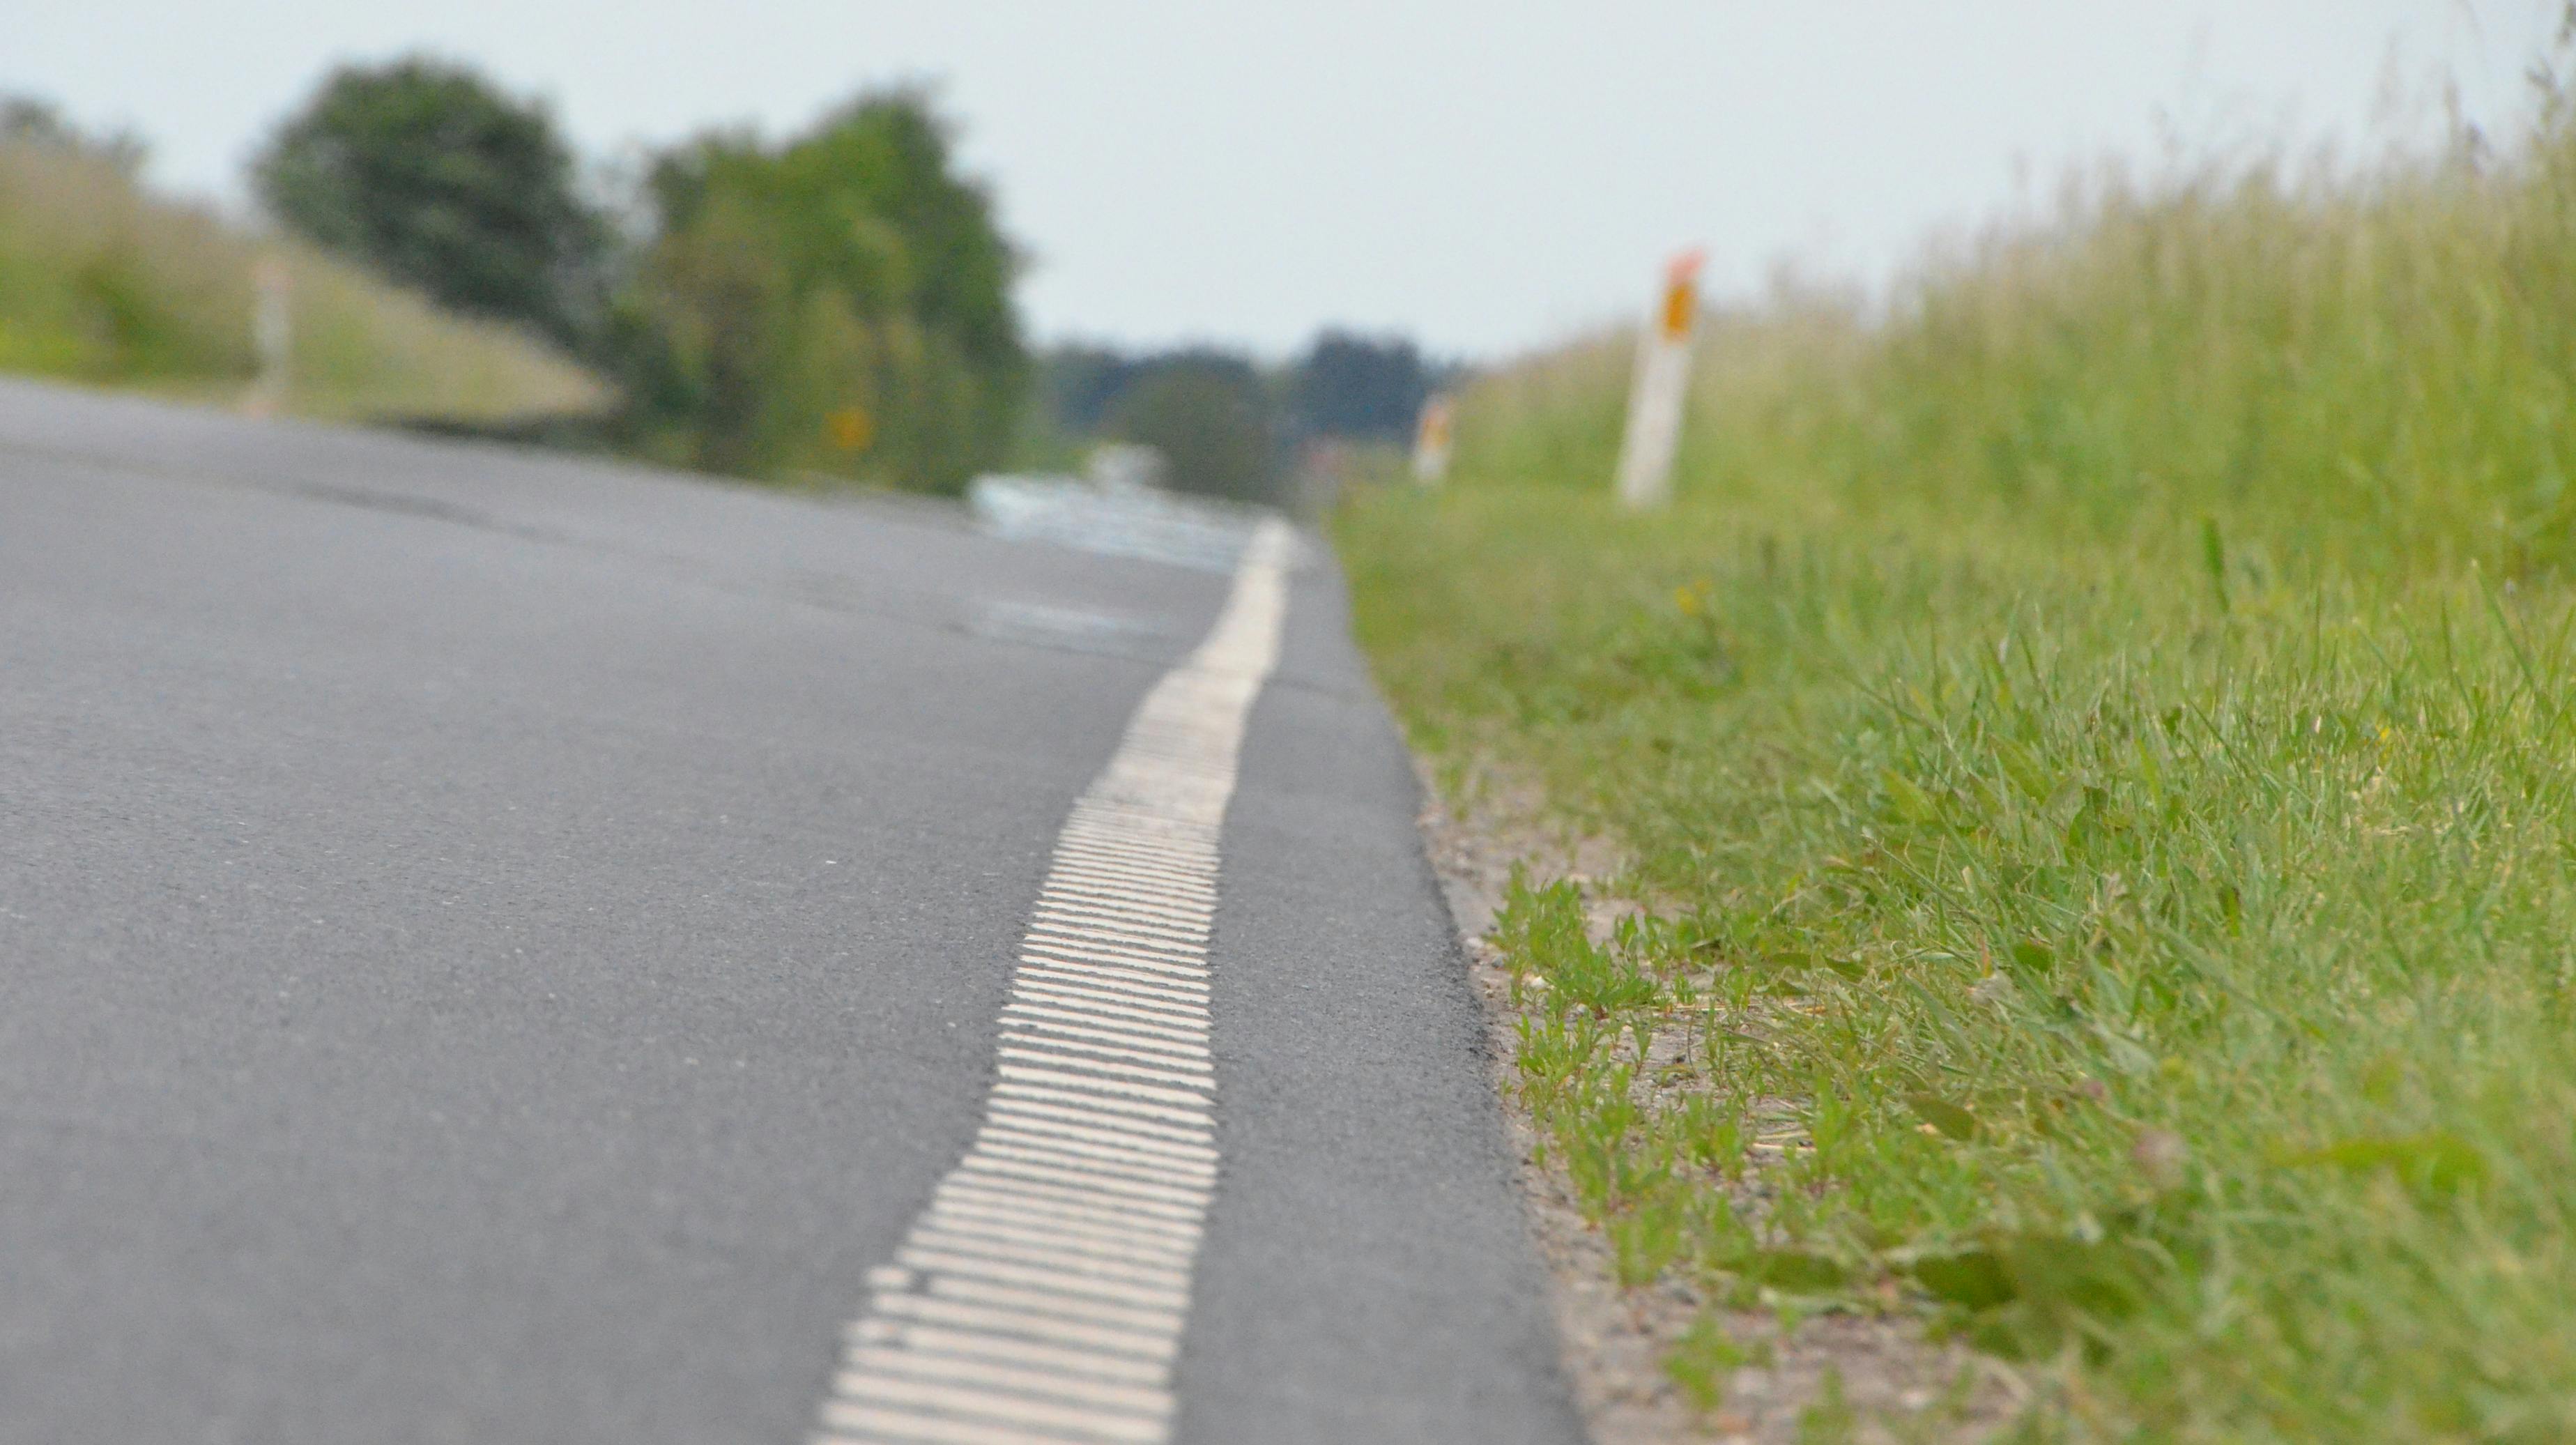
x=1486 y=176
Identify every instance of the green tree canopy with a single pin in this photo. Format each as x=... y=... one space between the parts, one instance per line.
x=427 y=172
x=1359 y=386
x=840 y=304
x=1211 y=417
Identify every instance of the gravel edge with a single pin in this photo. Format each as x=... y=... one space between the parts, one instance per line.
x=1899 y=1386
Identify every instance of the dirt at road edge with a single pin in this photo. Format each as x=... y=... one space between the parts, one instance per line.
x=1897 y=1385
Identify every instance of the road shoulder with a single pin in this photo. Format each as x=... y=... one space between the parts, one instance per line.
x=1367 y=1273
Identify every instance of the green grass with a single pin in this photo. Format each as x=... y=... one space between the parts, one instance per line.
x=103 y=284
x=2096 y=748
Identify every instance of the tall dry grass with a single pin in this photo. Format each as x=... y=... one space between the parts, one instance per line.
x=103 y=283
x=2378 y=363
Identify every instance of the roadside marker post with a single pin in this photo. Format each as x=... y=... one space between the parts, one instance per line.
x=1656 y=399
x=1431 y=441
x=271 y=335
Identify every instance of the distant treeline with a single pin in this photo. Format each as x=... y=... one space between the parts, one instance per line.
x=834 y=305
x=1226 y=424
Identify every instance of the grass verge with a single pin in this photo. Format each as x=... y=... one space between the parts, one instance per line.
x=2092 y=750
x=103 y=284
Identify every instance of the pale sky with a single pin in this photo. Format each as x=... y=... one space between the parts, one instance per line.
x=1485 y=176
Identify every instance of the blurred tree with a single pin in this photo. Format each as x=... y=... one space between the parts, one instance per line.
x=840 y=305
x=26 y=120
x=427 y=172
x=1081 y=382
x=1210 y=415
x=1359 y=387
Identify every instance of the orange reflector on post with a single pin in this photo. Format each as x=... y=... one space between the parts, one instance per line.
x=1681 y=295
x=1431 y=441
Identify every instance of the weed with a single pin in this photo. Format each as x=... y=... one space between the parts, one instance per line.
x=1830 y=1420
x=1701 y=1360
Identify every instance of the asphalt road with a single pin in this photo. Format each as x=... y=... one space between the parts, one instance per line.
x=495 y=948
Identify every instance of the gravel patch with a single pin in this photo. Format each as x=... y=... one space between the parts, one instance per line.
x=1895 y=1385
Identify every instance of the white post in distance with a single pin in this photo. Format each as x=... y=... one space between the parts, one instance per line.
x=1431 y=441
x=271 y=335
x=1662 y=384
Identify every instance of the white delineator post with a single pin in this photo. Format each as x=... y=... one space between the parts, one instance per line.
x=271 y=334
x=1663 y=380
x=1431 y=441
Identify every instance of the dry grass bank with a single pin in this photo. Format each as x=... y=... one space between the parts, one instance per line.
x=104 y=284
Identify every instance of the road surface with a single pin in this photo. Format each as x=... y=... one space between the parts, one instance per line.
x=502 y=948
